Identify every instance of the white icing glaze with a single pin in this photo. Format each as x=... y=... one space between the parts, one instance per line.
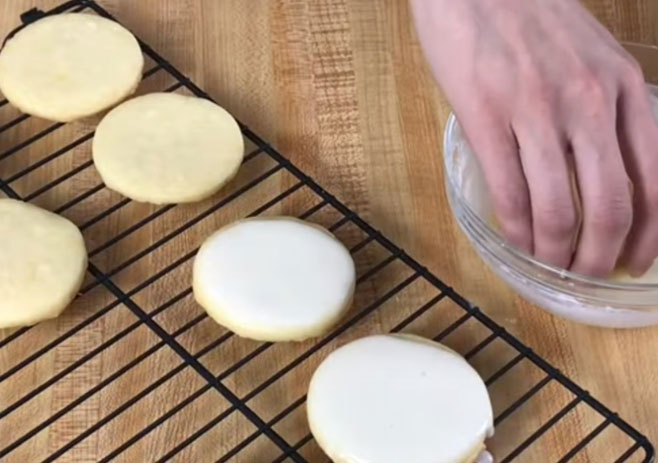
x=391 y=399
x=274 y=279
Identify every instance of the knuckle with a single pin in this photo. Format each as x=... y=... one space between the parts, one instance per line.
x=590 y=88
x=613 y=215
x=556 y=219
x=534 y=81
x=511 y=202
x=540 y=91
x=631 y=71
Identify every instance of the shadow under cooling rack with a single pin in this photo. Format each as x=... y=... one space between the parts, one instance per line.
x=135 y=371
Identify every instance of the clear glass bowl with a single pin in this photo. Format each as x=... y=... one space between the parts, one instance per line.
x=576 y=297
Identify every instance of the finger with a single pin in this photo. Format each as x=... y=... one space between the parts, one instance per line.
x=497 y=151
x=605 y=194
x=554 y=213
x=638 y=134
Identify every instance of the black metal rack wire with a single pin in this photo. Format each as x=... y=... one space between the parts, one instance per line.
x=227 y=418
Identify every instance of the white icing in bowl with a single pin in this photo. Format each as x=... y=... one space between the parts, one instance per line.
x=620 y=304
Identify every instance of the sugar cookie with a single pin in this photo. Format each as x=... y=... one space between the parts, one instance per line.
x=166 y=148
x=43 y=263
x=68 y=66
x=398 y=398
x=274 y=279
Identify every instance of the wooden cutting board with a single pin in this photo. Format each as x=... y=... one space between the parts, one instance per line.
x=341 y=88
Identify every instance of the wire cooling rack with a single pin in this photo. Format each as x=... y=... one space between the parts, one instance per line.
x=135 y=371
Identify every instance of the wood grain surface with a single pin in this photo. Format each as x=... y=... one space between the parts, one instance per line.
x=341 y=88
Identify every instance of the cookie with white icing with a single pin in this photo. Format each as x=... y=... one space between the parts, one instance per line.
x=399 y=398
x=274 y=279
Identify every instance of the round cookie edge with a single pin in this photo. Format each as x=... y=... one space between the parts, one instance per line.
x=57 y=307
x=263 y=333
x=470 y=457
x=70 y=116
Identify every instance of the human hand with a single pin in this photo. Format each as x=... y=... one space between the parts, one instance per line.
x=560 y=118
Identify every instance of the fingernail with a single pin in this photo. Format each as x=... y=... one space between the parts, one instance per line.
x=635 y=273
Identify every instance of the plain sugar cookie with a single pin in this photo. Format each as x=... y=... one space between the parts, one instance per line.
x=43 y=263
x=68 y=66
x=399 y=398
x=165 y=148
x=274 y=279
